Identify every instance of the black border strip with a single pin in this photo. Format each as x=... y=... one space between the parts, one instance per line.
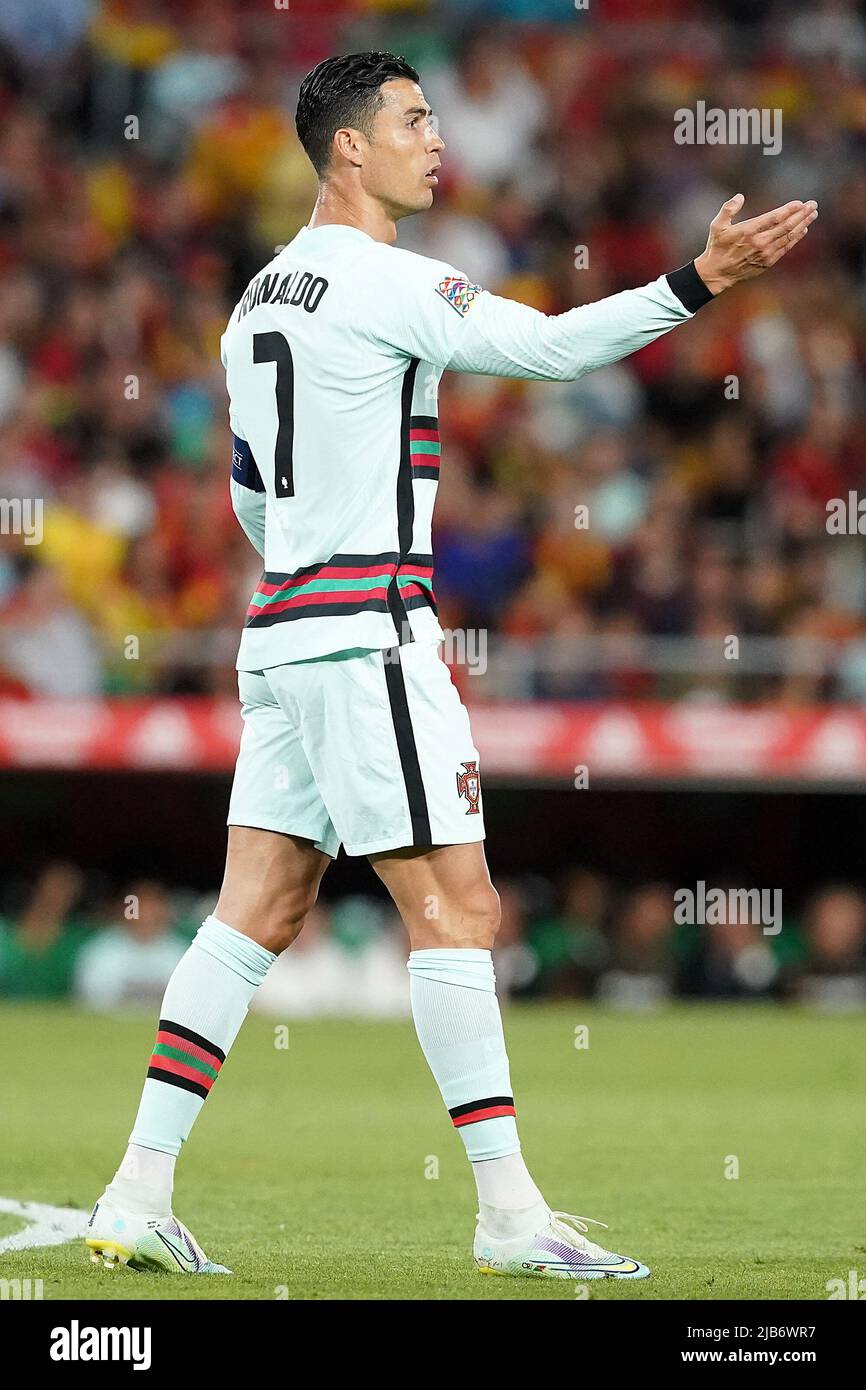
x=387 y=557
x=405 y=504
x=317 y=610
x=423 y=600
x=419 y=816
x=171 y=1078
x=166 y=1026
x=487 y=1104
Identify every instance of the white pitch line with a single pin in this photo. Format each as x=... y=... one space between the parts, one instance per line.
x=46 y=1225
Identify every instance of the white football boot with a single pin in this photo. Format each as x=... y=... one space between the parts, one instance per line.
x=144 y=1242
x=559 y=1250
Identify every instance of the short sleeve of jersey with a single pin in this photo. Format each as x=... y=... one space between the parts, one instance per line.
x=421 y=306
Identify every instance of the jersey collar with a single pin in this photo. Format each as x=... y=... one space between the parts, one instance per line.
x=341 y=229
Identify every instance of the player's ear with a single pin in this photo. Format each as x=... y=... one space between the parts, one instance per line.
x=348 y=144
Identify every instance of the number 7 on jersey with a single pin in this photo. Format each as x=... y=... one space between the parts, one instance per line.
x=273 y=347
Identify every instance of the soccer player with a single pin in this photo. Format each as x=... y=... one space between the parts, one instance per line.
x=353 y=731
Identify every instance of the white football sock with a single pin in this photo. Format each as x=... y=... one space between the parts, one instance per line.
x=509 y=1203
x=506 y=1183
x=459 y=1027
x=205 y=1003
x=144 y=1181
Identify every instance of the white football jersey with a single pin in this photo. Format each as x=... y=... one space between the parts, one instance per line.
x=333 y=358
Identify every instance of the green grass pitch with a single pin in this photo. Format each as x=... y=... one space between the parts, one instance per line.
x=307 y=1172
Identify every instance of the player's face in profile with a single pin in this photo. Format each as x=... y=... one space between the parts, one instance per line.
x=404 y=151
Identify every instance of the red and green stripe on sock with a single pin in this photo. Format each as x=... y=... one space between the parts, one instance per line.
x=183 y=1058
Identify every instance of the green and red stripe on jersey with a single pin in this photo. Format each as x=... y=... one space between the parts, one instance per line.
x=343 y=585
x=185 y=1059
x=425 y=448
x=490 y=1109
x=415 y=582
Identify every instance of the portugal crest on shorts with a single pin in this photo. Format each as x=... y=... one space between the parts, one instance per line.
x=469 y=785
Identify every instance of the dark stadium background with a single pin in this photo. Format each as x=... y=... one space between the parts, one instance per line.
x=124 y=256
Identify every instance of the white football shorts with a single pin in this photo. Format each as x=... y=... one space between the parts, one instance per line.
x=370 y=749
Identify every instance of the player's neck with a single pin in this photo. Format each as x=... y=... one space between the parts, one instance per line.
x=333 y=209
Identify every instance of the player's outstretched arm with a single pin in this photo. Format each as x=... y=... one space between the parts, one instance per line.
x=504 y=338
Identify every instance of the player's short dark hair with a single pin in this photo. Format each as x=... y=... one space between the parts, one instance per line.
x=343 y=91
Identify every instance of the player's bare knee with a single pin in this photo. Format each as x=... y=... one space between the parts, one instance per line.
x=284 y=920
x=471 y=923
x=273 y=920
x=487 y=915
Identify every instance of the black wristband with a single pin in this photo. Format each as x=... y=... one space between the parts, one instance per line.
x=689 y=288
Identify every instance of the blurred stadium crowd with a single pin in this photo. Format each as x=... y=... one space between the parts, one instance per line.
x=149 y=166
x=584 y=937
